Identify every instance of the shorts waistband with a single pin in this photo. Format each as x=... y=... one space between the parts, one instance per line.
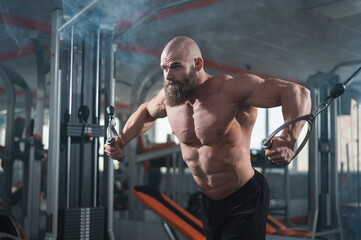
x=243 y=191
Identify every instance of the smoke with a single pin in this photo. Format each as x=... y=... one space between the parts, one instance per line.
x=107 y=13
x=11 y=35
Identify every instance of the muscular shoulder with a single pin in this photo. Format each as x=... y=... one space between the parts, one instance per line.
x=241 y=87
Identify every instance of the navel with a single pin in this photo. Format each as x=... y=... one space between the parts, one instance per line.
x=219 y=131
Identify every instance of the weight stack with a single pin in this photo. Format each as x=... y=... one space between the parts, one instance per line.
x=82 y=223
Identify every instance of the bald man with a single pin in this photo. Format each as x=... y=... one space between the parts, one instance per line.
x=213 y=117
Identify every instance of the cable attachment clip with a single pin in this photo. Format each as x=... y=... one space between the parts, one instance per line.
x=111 y=132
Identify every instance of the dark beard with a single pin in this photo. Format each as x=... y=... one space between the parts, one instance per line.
x=178 y=94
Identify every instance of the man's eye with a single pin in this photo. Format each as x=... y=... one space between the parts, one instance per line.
x=176 y=67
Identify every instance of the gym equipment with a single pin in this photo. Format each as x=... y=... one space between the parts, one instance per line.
x=31 y=155
x=336 y=91
x=171 y=213
x=275 y=227
x=324 y=216
x=76 y=208
x=12 y=79
x=10 y=228
x=111 y=132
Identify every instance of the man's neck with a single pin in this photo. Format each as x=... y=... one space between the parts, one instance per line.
x=203 y=76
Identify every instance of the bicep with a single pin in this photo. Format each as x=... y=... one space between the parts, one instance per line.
x=156 y=106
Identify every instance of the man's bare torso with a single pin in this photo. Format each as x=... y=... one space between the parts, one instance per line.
x=215 y=131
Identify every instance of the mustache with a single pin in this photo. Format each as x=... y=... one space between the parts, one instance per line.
x=169 y=83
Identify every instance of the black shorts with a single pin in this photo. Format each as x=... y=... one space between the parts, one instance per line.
x=241 y=215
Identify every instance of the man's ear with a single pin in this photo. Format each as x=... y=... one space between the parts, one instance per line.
x=198 y=63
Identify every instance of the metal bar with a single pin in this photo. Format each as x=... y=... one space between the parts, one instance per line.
x=335 y=176
x=77 y=15
x=68 y=158
x=34 y=181
x=95 y=173
x=174 y=177
x=343 y=64
x=96 y=115
x=40 y=92
x=168 y=229
x=108 y=163
x=16 y=79
x=350 y=79
x=167 y=186
x=140 y=180
x=329 y=129
x=71 y=70
x=324 y=140
x=358 y=167
x=54 y=130
x=9 y=141
x=328 y=232
x=287 y=195
x=314 y=161
x=35 y=208
x=267 y=122
x=28 y=101
x=97 y=78
x=30 y=194
x=180 y=178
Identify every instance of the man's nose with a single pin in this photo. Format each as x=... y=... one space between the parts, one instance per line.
x=169 y=75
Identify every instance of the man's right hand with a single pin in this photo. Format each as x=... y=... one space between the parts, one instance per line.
x=281 y=151
x=116 y=152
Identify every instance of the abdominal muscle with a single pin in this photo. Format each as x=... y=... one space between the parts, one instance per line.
x=219 y=170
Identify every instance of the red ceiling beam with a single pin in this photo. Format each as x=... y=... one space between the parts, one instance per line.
x=166 y=13
x=123 y=24
x=20 y=93
x=43 y=27
x=153 y=52
x=184 y=8
x=6 y=56
x=20 y=52
x=25 y=23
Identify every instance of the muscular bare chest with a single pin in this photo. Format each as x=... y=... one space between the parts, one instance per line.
x=204 y=122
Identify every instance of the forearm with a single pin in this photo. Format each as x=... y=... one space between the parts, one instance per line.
x=138 y=123
x=295 y=102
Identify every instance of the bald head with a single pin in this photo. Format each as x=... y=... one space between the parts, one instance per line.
x=183 y=48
